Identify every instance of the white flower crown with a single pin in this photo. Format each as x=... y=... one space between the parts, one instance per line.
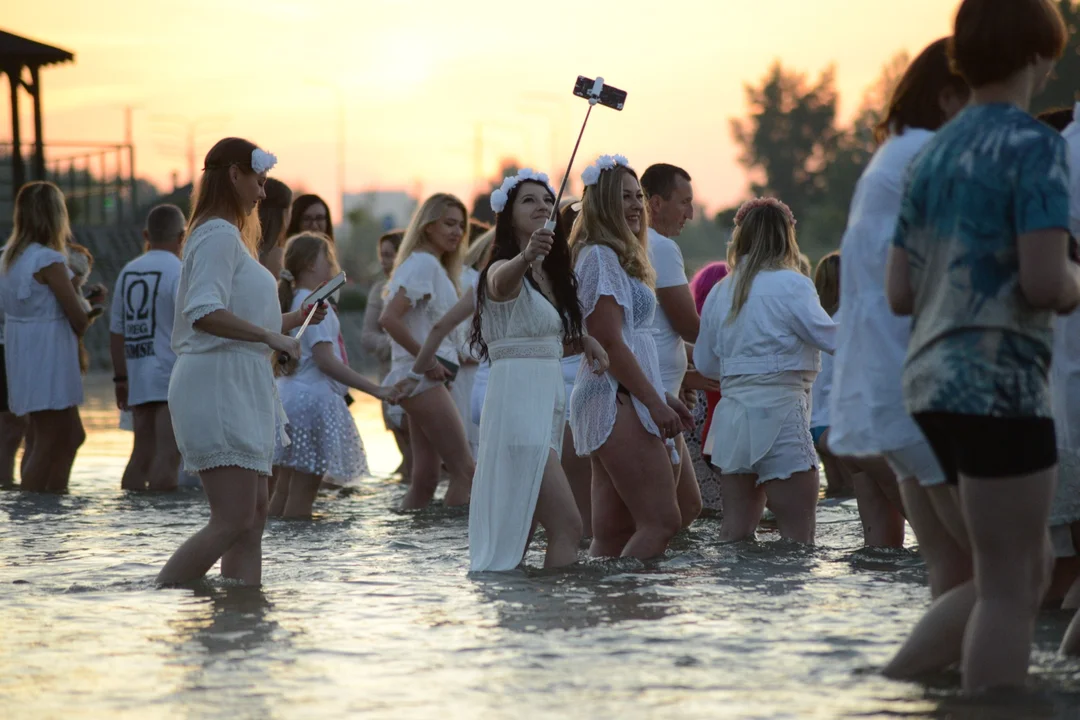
x=502 y=194
x=262 y=161
x=591 y=175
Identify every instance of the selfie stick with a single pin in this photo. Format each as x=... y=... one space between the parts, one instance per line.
x=594 y=97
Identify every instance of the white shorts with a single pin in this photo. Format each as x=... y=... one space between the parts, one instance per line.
x=792 y=451
x=917 y=461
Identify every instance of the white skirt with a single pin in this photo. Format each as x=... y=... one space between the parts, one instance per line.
x=225 y=410
x=323 y=435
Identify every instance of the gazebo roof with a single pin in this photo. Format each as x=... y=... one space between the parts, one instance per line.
x=24 y=51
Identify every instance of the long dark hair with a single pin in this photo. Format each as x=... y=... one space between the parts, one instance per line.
x=299 y=207
x=916 y=100
x=556 y=265
x=272 y=215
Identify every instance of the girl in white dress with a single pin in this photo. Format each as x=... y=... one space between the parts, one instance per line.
x=322 y=434
x=867 y=415
x=622 y=419
x=44 y=318
x=228 y=330
x=527 y=319
x=421 y=290
x=761 y=332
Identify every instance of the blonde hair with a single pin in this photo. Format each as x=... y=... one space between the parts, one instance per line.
x=416 y=234
x=40 y=217
x=764 y=240
x=479 y=249
x=603 y=222
x=827 y=282
x=215 y=195
x=301 y=253
x=805 y=266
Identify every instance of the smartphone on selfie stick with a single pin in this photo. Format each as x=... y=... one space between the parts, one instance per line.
x=596 y=92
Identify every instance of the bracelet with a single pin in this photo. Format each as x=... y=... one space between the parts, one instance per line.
x=120 y=379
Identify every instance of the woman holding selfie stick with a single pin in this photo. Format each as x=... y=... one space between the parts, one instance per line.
x=222 y=397
x=420 y=291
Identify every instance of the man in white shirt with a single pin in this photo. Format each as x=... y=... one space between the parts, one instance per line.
x=140 y=327
x=671 y=203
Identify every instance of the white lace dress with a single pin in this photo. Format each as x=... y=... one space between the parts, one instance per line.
x=222 y=396
x=42 y=351
x=593 y=404
x=522 y=420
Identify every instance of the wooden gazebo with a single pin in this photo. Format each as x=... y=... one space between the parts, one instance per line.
x=17 y=53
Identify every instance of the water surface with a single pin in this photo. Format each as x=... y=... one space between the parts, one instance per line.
x=368 y=612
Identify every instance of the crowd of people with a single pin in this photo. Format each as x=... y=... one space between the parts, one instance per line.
x=575 y=378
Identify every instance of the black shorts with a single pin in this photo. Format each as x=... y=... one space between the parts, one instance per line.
x=3 y=382
x=981 y=446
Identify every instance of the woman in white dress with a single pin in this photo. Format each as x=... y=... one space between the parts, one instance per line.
x=421 y=290
x=469 y=364
x=623 y=418
x=761 y=332
x=44 y=319
x=527 y=319
x=222 y=397
x=867 y=414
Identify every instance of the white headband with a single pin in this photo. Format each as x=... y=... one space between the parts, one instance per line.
x=501 y=195
x=591 y=175
x=262 y=161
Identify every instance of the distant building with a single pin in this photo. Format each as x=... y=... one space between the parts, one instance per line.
x=390 y=208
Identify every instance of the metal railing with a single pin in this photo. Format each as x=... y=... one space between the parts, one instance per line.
x=98 y=180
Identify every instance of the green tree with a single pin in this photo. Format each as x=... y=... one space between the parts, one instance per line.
x=481 y=208
x=1062 y=89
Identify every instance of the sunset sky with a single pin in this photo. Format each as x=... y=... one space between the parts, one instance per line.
x=417 y=77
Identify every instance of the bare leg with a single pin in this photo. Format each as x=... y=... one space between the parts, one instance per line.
x=142 y=451
x=839 y=478
x=882 y=522
x=1007 y=520
x=303 y=488
x=436 y=432
x=401 y=437
x=578 y=472
x=243 y=560
x=687 y=490
x=165 y=464
x=612 y=523
x=234 y=495
x=557 y=511
x=937 y=639
x=639 y=468
x=948 y=561
x=57 y=436
x=280 y=495
x=794 y=502
x=12 y=431
x=744 y=502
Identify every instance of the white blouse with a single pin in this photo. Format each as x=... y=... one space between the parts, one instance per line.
x=781 y=327
x=866 y=403
x=431 y=294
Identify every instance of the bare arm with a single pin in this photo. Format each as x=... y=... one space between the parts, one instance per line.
x=329 y=364
x=505 y=276
x=119 y=361
x=372 y=337
x=56 y=277
x=462 y=310
x=1048 y=281
x=392 y=321
x=678 y=305
x=898 y=289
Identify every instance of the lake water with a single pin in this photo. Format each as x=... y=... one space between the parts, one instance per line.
x=368 y=612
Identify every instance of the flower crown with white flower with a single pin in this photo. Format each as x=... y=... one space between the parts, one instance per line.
x=591 y=175
x=261 y=161
x=500 y=196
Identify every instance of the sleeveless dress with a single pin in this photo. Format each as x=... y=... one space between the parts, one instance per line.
x=42 y=351
x=222 y=396
x=522 y=420
x=593 y=404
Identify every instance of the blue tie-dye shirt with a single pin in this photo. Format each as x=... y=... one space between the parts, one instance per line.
x=977 y=347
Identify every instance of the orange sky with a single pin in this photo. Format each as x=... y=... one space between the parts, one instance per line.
x=416 y=77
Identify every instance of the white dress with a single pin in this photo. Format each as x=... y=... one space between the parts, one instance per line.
x=222 y=396
x=593 y=404
x=431 y=295
x=41 y=350
x=523 y=419
x=323 y=435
